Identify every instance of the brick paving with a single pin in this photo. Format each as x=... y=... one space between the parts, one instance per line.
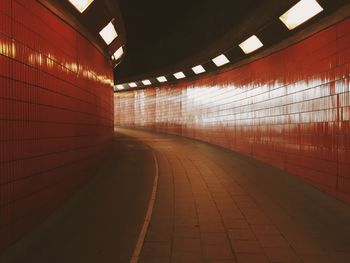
x=216 y=206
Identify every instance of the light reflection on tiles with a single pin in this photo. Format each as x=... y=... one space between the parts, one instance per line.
x=290 y=109
x=56 y=114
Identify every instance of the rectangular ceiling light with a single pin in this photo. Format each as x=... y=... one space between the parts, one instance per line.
x=117 y=55
x=162 y=79
x=179 y=75
x=198 y=69
x=81 y=5
x=108 y=33
x=220 y=60
x=146 y=82
x=132 y=85
x=119 y=87
x=300 y=13
x=251 y=44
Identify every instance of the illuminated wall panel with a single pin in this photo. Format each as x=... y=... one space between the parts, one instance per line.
x=56 y=114
x=290 y=109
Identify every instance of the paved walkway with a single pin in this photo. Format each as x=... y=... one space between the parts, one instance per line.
x=212 y=206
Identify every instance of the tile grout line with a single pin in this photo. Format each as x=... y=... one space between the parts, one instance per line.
x=234 y=254
x=141 y=239
x=195 y=204
x=174 y=206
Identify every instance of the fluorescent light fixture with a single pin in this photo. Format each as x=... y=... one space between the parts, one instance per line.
x=300 y=13
x=179 y=75
x=146 y=82
x=132 y=85
x=108 y=33
x=162 y=79
x=117 y=55
x=251 y=44
x=119 y=87
x=220 y=60
x=198 y=69
x=81 y=5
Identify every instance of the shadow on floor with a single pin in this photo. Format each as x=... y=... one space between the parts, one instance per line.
x=101 y=222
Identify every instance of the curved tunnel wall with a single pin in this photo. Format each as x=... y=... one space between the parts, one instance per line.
x=290 y=109
x=56 y=114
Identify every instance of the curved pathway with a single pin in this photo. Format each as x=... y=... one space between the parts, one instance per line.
x=214 y=205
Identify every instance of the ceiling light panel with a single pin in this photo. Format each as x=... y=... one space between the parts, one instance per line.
x=300 y=13
x=119 y=87
x=220 y=60
x=146 y=82
x=162 y=79
x=108 y=33
x=81 y=5
x=251 y=44
x=117 y=55
x=198 y=69
x=179 y=75
x=132 y=85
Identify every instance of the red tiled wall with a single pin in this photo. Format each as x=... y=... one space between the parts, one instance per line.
x=290 y=109
x=56 y=114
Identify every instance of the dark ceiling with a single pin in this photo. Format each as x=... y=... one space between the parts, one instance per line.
x=162 y=33
x=163 y=36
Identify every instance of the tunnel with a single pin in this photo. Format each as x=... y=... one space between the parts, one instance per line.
x=188 y=131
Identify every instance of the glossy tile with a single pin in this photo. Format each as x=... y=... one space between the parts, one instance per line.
x=290 y=109
x=56 y=114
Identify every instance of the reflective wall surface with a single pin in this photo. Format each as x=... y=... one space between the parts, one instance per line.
x=56 y=114
x=290 y=109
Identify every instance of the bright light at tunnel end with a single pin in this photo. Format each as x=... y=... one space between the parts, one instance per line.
x=108 y=33
x=220 y=60
x=300 y=13
x=179 y=75
x=81 y=5
x=251 y=44
x=198 y=69
x=162 y=79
